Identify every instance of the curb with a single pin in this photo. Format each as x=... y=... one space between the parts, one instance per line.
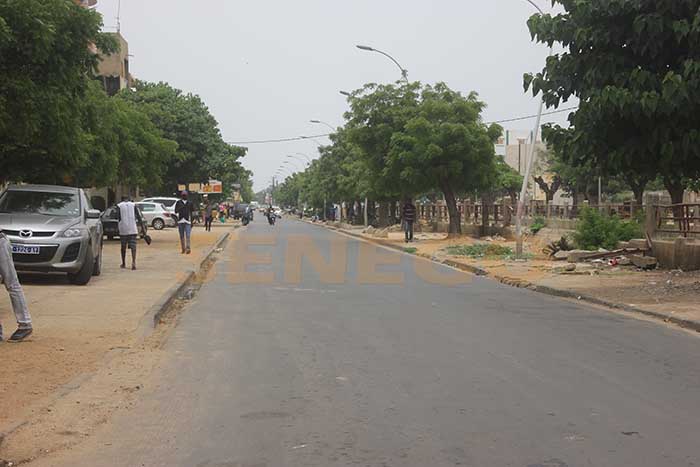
x=543 y=289
x=158 y=310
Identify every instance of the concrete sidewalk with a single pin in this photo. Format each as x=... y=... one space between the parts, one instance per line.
x=76 y=326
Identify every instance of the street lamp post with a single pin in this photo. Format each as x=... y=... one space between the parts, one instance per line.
x=321 y=122
x=313 y=139
x=304 y=163
x=289 y=161
x=528 y=167
x=404 y=72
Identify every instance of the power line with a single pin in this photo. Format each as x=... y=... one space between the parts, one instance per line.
x=279 y=140
x=533 y=116
x=301 y=138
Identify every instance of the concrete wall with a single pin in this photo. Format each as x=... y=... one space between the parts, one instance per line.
x=679 y=253
x=116 y=65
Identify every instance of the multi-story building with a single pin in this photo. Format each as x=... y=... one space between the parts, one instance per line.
x=114 y=68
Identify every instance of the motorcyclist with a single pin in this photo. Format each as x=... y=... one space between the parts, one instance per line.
x=271 y=216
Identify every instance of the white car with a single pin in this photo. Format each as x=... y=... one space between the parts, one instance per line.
x=157 y=215
x=169 y=203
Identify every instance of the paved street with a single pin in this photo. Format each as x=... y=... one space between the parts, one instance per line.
x=417 y=374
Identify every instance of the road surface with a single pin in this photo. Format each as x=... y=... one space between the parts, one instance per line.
x=415 y=374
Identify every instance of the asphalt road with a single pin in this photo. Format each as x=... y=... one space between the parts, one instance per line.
x=413 y=374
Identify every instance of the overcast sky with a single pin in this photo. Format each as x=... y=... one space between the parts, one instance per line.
x=265 y=68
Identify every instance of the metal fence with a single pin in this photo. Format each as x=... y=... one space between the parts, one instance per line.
x=680 y=219
x=503 y=213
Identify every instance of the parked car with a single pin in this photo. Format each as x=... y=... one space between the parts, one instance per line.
x=110 y=224
x=52 y=229
x=169 y=203
x=157 y=215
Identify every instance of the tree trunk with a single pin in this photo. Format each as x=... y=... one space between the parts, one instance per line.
x=638 y=195
x=675 y=189
x=383 y=220
x=455 y=218
x=485 y=213
x=574 y=205
x=549 y=190
x=392 y=212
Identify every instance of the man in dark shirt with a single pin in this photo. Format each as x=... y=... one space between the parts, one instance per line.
x=408 y=215
x=183 y=211
x=208 y=214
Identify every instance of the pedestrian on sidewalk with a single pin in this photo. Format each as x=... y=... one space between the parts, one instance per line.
x=183 y=211
x=8 y=275
x=129 y=218
x=208 y=214
x=408 y=215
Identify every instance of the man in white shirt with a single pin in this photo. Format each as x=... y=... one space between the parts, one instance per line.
x=128 y=215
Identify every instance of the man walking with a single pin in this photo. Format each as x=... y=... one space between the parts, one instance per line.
x=408 y=215
x=8 y=275
x=128 y=215
x=208 y=214
x=183 y=211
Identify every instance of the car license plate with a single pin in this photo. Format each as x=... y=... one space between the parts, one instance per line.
x=26 y=250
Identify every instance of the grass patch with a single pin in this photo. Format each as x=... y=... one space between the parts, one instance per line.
x=481 y=250
x=410 y=250
x=538 y=224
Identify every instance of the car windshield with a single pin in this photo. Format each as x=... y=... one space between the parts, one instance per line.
x=40 y=202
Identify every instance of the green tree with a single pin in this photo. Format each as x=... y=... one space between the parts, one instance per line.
x=45 y=69
x=508 y=180
x=633 y=64
x=185 y=119
x=445 y=144
x=377 y=113
x=122 y=143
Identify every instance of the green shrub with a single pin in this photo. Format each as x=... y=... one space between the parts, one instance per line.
x=410 y=250
x=595 y=230
x=538 y=224
x=480 y=250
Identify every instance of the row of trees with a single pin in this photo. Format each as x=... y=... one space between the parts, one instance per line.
x=57 y=125
x=403 y=140
x=634 y=67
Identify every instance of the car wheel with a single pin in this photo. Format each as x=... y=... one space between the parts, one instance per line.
x=83 y=276
x=158 y=224
x=97 y=270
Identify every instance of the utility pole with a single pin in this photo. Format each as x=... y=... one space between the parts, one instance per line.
x=366 y=212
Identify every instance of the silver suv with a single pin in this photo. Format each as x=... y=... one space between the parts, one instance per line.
x=52 y=229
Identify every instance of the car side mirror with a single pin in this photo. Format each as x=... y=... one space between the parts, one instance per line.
x=92 y=214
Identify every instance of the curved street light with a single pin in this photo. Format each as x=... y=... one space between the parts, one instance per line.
x=312 y=138
x=306 y=156
x=298 y=159
x=528 y=166
x=321 y=122
x=404 y=72
x=289 y=161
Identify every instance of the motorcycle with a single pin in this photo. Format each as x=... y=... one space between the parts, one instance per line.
x=271 y=218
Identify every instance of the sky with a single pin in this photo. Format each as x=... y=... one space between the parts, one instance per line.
x=267 y=67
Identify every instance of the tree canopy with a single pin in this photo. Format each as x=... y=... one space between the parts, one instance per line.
x=45 y=71
x=634 y=65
